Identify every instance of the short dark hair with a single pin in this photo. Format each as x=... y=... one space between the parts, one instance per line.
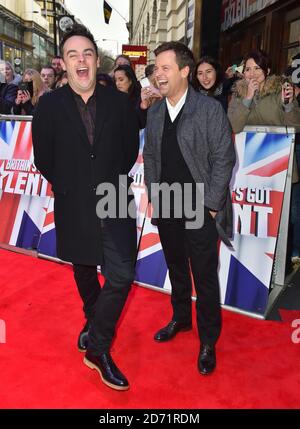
x=149 y=70
x=184 y=56
x=78 y=30
x=105 y=78
x=126 y=57
x=49 y=66
x=135 y=87
x=261 y=58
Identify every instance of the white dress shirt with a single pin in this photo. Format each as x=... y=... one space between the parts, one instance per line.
x=174 y=110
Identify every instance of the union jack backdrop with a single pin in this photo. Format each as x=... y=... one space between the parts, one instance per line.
x=24 y=193
x=258 y=184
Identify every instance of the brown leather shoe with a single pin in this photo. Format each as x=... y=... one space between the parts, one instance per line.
x=172 y=329
x=108 y=370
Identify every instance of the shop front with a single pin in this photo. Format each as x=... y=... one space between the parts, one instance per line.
x=271 y=25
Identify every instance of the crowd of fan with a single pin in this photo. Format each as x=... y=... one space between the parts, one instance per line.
x=249 y=93
x=241 y=87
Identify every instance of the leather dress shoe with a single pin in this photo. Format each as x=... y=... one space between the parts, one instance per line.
x=108 y=370
x=83 y=338
x=207 y=359
x=169 y=331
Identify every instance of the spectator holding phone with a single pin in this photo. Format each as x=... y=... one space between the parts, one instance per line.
x=29 y=92
x=261 y=99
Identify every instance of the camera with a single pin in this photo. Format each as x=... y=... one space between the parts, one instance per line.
x=26 y=86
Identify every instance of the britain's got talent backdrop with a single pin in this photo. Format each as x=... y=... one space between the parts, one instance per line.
x=258 y=184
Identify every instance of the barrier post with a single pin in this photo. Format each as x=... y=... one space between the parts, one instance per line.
x=280 y=281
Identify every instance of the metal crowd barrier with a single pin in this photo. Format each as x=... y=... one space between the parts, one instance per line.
x=252 y=275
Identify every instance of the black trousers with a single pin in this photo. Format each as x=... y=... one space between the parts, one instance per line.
x=193 y=250
x=103 y=307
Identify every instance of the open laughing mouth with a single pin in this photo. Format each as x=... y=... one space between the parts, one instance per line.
x=83 y=72
x=162 y=84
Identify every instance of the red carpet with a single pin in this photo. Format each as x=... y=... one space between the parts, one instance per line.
x=40 y=367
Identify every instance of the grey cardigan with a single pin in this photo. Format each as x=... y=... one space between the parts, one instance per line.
x=205 y=140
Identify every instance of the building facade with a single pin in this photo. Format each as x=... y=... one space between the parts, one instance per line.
x=153 y=22
x=271 y=25
x=225 y=29
x=24 y=39
x=193 y=22
x=52 y=11
x=27 y=32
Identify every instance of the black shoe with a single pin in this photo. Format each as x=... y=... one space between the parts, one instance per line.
x=108 y=370
x=207 y=359
x=83 y=338
x=169 y=331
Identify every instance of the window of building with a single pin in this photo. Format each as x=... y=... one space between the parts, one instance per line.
x=294 y=31
x=17 y=53
x=41 y=3
x=8 y=53
x=28 y=64
x=43 y=52
x=18 y=34
x=293 y=40
x=291 y=37
x=9 y=29
x=49 y=5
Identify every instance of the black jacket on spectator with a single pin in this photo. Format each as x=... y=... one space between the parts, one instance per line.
x=24 y=108
x=8 y=94
x=222 y=92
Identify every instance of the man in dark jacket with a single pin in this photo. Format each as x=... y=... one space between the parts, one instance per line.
x=86 y=135
x=188 y=141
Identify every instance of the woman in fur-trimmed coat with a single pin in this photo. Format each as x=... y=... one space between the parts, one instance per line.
x=260 y=99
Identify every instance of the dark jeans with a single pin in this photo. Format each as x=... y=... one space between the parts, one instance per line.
x=103 y=307
x=193 y=250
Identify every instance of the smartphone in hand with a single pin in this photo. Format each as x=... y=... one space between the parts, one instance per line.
x=26 y=86
x=145 y=82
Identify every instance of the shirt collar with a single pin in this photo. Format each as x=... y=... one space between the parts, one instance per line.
x=78 y=96
x=174 y=110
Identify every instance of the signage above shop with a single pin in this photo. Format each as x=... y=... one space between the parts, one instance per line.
x=136 y=53
x=236 y=11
